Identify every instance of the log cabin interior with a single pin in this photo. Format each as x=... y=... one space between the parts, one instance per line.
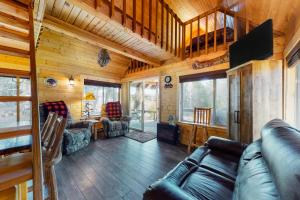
x=149 y=99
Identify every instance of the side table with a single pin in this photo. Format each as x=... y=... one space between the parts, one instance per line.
x=97 y=127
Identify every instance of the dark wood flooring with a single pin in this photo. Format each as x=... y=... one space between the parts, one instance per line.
x=115 y=169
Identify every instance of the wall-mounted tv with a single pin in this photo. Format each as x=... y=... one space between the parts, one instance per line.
x=256 y=45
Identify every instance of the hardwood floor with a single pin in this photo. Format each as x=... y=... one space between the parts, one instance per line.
x=117 y=168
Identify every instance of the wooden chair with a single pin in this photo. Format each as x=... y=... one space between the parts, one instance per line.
x=202 y=118
x=52 y=154
x=48 y=127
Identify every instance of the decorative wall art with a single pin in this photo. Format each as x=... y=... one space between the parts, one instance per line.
x=216 y=61
x=50 y=82
x=103 y=57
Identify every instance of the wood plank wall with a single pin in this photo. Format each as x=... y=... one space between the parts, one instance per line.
x=60 y=57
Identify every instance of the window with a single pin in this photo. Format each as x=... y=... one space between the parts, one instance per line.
x=205 y=93
x=14 y=113
x=103 y=94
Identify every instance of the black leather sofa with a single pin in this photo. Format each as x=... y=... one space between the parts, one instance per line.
x=267 y=169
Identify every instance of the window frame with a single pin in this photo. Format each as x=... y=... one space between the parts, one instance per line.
x=103 y=95
x=214 y=91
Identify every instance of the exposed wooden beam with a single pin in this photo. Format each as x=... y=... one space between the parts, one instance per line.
x=73 y=31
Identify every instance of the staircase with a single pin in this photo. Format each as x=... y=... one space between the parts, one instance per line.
x=17 y=41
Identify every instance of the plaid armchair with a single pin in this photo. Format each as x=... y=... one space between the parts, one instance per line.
x=77 y=135
x=114 y=124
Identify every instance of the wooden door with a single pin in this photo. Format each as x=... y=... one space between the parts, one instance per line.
x=234 y=104
x=245 y=114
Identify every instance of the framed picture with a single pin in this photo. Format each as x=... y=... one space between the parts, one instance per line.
x=50 y=82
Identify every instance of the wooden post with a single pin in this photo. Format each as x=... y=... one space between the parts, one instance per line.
x=36 y=140
x=235 y=28
x=162 y=24
x=156 y=20
x=183 y=42
x=124 y=13
x=143 y=18
x=191 y=39
x=172 y=32
x=206 y=34
x=179 y=39
x=150 y=20
x=167 y=28
x=134 y=16
x=112 y=8
x=198 y=35
x=215 y=31
x=225 y=30
x=176 y=36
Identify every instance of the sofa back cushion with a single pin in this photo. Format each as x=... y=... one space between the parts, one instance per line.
x=114 y=110
x=281 y=151
x=254 y=181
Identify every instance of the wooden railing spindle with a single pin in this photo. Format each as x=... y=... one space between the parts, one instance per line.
x=162 y=25
x=206 y=34
x=215 y=31
x=183 y=41
x=198 y=35
x=172 y=32
x=225 y=30
x=156 y=20
x=124 y=13
x=176 y=36
x=134 y=16
x=167 y=28
x=191 y=40
x=150 y=19
x=143 y=18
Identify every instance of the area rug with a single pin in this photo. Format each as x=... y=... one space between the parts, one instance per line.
x=140 y=136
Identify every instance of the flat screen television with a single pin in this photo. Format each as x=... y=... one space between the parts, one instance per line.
x=256 y=45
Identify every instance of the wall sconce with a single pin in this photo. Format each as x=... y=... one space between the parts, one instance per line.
x=71 y=81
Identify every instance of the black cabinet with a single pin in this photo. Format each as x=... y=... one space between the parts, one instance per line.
x=167 y=133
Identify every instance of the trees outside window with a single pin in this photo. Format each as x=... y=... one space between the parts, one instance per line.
x=205 y=93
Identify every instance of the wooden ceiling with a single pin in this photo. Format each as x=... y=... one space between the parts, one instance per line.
x=108 y=29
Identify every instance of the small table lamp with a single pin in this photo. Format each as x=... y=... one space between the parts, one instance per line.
x=89 y=97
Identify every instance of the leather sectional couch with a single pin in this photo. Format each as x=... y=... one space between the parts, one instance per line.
x=267 y=169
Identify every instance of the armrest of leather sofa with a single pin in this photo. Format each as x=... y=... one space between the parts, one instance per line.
x=225 y=145
x=166 y=190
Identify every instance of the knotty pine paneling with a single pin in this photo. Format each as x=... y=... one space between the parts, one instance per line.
x=60 y=56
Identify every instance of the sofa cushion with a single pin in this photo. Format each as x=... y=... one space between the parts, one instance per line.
x=253 y=150
x=281 y=151
x=221 y=163
x=254 y=181
x=197 y=156
x=205 y=184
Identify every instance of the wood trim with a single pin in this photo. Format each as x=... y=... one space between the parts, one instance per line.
x=15 y=132
x=75 y=32
x=14 y=98
x=14 y=72
x=202 y=76
x=101 y=83
x=247 y=26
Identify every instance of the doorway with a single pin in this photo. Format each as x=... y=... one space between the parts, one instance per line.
x=144 y=104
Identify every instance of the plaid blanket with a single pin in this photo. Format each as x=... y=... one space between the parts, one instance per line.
x=58 y=107
x=114 y=110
